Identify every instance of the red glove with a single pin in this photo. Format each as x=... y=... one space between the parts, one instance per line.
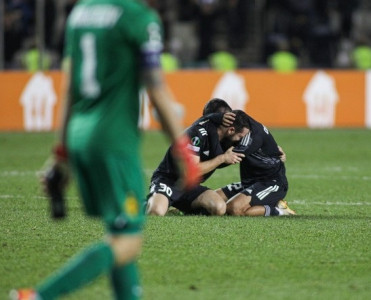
x=60 y=153
x=191 y=172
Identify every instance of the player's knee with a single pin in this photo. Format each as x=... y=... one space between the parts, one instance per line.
x=125 y=247
x=157 y=206
x=220 y=208
x=212 y=202
x=156 y=210
x=217 y=208
x=234 y=210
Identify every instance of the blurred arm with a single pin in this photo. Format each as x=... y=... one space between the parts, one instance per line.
x=162 y=99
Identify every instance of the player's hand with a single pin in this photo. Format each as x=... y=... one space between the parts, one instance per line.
x=231 y=157
x=283 y=154
x=191 y=175
x=228 y=119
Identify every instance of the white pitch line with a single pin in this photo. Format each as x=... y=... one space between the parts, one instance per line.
x=332 y=176
x=29 y=197
x=21 y=197
x=328 y=203
x=18 y=173
x=296 y=202
x=149 y=173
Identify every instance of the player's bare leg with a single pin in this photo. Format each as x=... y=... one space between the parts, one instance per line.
x=238 y=205
x=125 y=247
x=255 y=211
x=251 y=211
x=157 y=205
x=210 y=201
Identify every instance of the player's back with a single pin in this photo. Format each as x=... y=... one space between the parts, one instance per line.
x=262 y=157
x=104 y=39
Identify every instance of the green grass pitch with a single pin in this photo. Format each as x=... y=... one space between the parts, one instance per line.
x=323 y=253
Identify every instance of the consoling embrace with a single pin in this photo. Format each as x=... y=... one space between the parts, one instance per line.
x=222 y=137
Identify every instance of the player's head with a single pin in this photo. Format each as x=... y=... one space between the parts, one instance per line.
x=216 y=105
x=241 y=120
x=240 y=126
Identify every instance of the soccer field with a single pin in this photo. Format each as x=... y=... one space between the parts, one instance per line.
x=323 y=253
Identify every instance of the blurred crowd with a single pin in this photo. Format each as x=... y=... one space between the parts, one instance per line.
x=20 y=33
x=254 y=33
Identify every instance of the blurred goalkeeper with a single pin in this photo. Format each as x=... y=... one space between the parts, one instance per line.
x=111 y=47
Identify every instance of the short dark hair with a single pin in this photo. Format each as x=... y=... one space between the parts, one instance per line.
x=216 y=105
x=241 y=120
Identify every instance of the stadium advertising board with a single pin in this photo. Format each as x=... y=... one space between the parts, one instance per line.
x=313 y=98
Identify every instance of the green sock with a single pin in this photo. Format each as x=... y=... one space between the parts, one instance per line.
x=81 y=270
x=125 y=282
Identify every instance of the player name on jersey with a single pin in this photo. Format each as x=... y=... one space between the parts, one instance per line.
x=98 y=16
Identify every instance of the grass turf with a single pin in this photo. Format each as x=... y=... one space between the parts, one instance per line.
x=324 y=253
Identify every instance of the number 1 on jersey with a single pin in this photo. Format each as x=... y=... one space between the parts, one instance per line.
x=90 y=86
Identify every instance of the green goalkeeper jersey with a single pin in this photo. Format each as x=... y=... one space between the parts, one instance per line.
x=109 y=43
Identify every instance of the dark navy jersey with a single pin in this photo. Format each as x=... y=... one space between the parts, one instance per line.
x=262 y=157
x=204 y=143
x=217 y=119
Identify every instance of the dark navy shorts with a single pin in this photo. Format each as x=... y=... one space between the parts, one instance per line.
x=267 y=192
x=177 y=197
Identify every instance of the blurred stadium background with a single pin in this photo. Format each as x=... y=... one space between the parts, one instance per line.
x=321 y=254
x=320 y=33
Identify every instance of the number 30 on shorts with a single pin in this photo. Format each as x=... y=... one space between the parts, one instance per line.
x=165 y=189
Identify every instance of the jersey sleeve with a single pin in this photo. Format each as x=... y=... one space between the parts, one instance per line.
x=249 y=144
x=148 y=36
x=258 y=138
x=197 y=141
